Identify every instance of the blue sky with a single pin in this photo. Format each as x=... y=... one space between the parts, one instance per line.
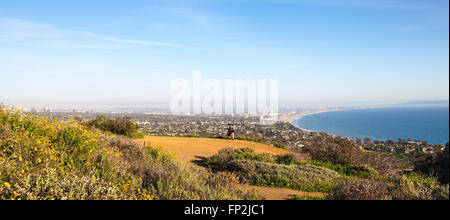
x=322 y=51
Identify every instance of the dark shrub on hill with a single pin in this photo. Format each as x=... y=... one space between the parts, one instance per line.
x=414 y=186
x=435 y=164
x=361 y=189
x=220 y=161
x=385 y=163
x=304 y=177
x=120 y=125
x=417 y=186
x=335 y=150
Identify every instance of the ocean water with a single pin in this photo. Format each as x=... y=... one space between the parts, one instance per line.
x=417 y=123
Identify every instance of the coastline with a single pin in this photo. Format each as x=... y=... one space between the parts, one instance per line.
x=291 y=118
x=294 y=116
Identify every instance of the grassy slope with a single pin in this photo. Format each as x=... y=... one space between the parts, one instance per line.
x=285 y=171
x=340 y=181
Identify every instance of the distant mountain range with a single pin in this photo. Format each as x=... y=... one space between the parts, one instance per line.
x=426 y=102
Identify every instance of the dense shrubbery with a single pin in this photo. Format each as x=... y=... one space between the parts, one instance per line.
x=243 y=138
x=279 y=145
x=360 y=171
x=45 y=159
x=361 y=189
x=341 y=151
x=285 y=171
x=386 y=164
x=379 y=175
x=306 y=177
x=42 y=158
x=221 y=161
x=417 y=186
x=435 y=164
x=120 y=125
x=297 y=197
x=336 y=150
x=413 y=186
x=348 y=180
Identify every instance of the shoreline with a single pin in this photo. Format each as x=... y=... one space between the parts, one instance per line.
x=291 y=118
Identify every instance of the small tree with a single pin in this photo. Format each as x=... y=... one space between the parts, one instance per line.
x=337 y=150
x=120 y=125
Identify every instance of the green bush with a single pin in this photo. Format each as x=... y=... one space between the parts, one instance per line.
x=221 y=160
x=360 y=171
x=413 y=186
x=120 y=125
x=300 y=177
x=416 y=186
x=435 y=164
x=297 y=197
x=361 y=189
x=335 y=150
x=226 y=155
x=386 y=164
x=279 y=145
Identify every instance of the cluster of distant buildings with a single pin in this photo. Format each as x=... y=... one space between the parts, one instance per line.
x=36 y=110
x=403 y=146
x=50 y=110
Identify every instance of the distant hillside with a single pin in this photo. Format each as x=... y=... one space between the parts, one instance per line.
x=426 y=102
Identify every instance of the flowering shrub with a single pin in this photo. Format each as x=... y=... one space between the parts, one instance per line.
x=41 y=158
x=120 y=125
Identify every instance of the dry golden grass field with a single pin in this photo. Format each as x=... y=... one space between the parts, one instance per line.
x=189 y=149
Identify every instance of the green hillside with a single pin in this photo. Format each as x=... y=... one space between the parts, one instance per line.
x=41 y=158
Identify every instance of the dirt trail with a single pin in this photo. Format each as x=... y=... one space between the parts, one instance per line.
x=190 y=149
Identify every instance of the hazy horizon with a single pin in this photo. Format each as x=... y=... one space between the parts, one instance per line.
x=324 y=52
x=165 y=106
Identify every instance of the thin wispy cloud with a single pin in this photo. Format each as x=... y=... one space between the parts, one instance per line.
x=191 y=14
x=17 y=30
x=378 y=4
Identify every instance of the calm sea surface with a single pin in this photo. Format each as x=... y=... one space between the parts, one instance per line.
x=417 y=123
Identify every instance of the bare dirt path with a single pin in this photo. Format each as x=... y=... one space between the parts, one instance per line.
x=191 y=149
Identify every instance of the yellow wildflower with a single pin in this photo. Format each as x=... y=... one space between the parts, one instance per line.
x=7 y=184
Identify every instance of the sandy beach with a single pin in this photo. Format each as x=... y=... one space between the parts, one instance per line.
x=291 y=117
